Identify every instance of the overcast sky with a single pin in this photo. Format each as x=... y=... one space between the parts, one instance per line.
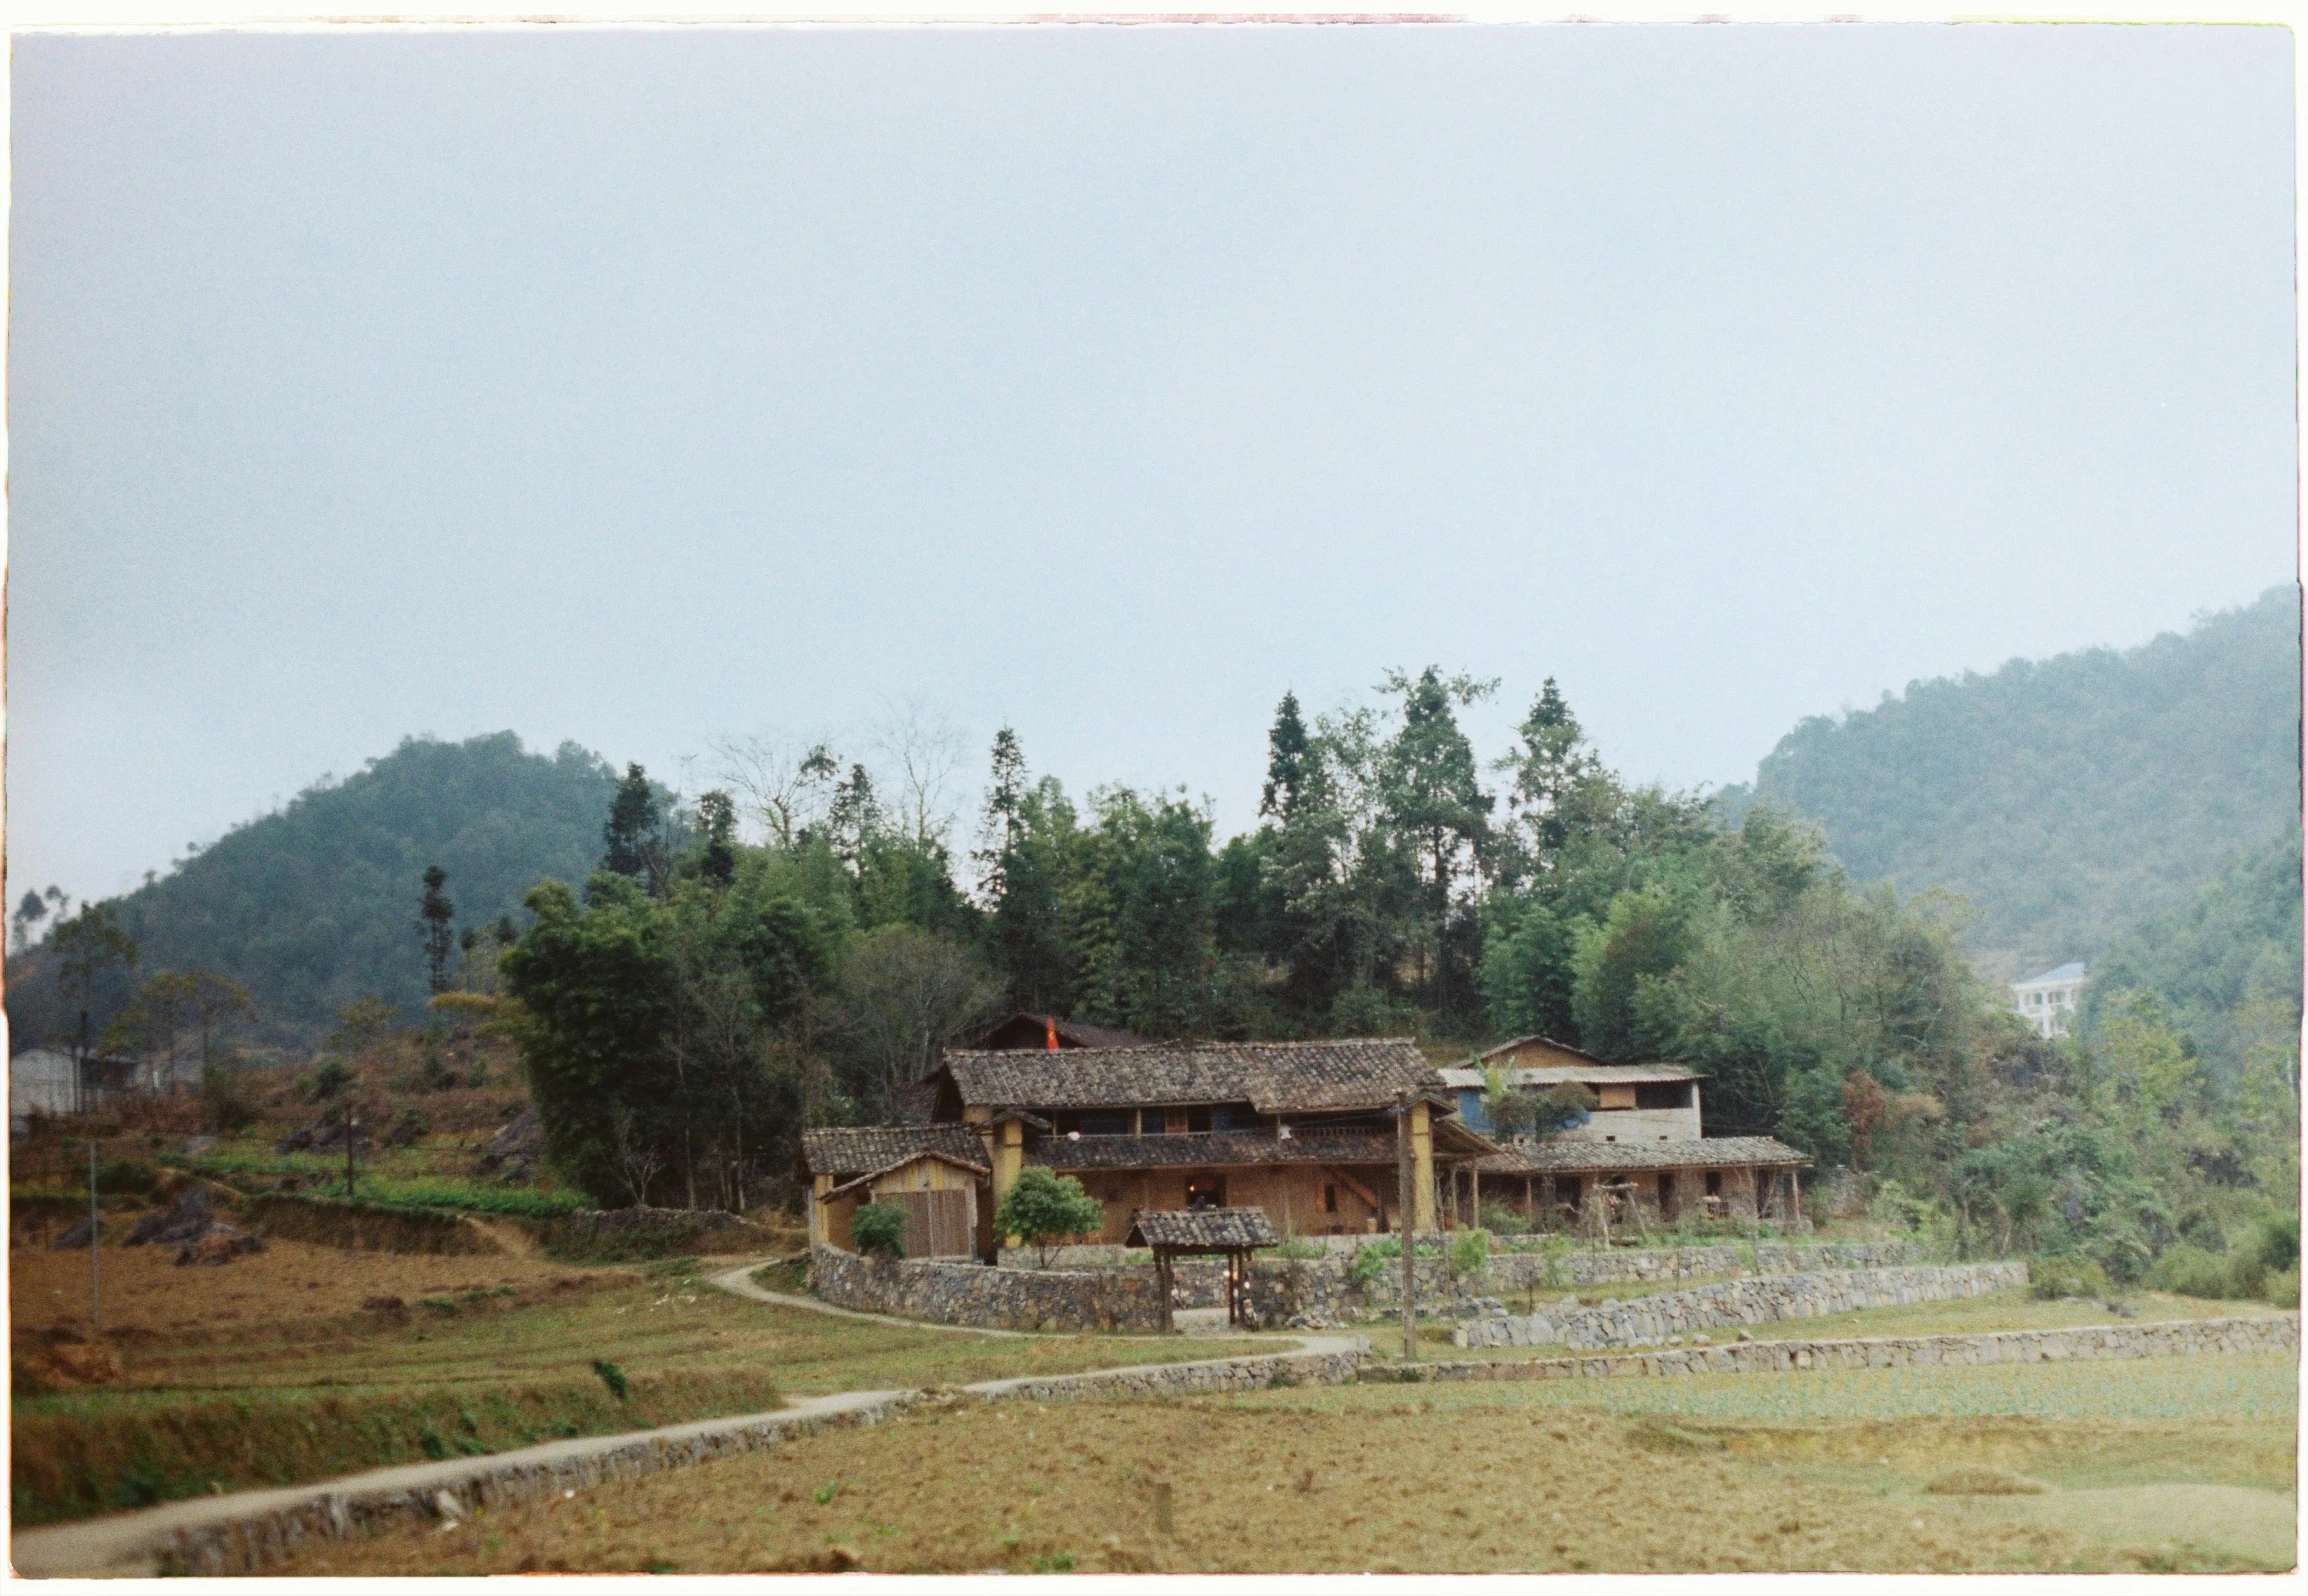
x=641 y=389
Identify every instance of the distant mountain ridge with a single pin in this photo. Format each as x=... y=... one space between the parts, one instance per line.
x=315 y=904
x=2070 y=799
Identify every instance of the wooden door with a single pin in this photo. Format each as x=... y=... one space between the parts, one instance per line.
x=939 y=1224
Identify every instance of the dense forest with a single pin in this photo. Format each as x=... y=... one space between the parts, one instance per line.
x=315 y=906
x=2068 y=799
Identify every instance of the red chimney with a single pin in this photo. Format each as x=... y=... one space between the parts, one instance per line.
x=1049 y=1033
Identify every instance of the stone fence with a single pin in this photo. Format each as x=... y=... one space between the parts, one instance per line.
x=1648 y=1321
x=2177 y=1338
x=1316 y=1292
x=997 y=1299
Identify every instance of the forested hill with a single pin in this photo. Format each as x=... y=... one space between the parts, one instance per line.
x=2070 y=799
x=316 y=905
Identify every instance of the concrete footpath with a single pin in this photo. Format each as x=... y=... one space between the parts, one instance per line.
x=247 y=1530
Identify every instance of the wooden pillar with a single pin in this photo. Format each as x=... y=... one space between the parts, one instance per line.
x=1422 y=1193
x=822 y=1185
x=1162 y=1284
x=1009 y=1159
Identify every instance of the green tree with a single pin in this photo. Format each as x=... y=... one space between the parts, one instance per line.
x=1436 y=808
x=1026 y=858
x=1045 y=1210
x=630 y=835
x=904 y=996
x=434 y=914
x=86 y=948
x=717 y=818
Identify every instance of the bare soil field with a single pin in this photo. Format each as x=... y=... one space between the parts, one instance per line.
x=300 y=1363
x=2036 y=1469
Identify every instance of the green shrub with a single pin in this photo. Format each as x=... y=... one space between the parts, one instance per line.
x=1370 y=1261
x=230 y=1099
x=611 y=1376
x=2066 y=1276
x=2283 y=1287
x=1045 y=1208
x=128 y=1175
x=1299 y=1249
x=2221 y=1276
x=879 y=1230
x=2278 y=1243
x=1470 y=1254
x=331 y=1078
x=1500 y=1220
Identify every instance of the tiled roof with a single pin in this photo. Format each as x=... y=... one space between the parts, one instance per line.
x=974 y=1166
x=850 y=1150
x=1274 y=1077
x=1071 y=1033
x=1573 y=1155
x=1219 y=1148
x=1215 y=1228
x=1552 y=1074
x=1541 y=1041
x=1213 y=1148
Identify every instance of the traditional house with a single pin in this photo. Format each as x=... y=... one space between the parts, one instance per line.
x=1633 y=1102
x=1304 y=1131
x=1640 y=1157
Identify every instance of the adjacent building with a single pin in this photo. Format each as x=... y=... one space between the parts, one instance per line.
x=2049 y=1001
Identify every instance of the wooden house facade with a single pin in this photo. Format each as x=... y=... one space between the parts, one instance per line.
x=1303 y=1131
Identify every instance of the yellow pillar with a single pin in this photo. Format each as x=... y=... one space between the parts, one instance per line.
x=1009 y=1159
x=823 y=1184
x=1422 y=1166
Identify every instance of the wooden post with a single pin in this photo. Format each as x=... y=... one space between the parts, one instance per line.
x=1408 y=1205
x=95 y=1266
x=1547 y=1200
x=1162 y=1283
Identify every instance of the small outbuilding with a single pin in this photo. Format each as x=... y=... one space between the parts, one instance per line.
x=1230 y=1233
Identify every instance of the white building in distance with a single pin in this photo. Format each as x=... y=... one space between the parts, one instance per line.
x=2049 y=1001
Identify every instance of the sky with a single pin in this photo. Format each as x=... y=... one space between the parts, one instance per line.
x=651 y=389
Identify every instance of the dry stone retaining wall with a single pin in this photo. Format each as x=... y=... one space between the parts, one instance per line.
x=996 y=1299
x=1648 y=1321
x=2272 y=1333
x=1314 y=1292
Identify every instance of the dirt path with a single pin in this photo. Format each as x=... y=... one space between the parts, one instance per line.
x=739 y=1282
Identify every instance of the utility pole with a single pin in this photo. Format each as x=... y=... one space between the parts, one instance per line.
x=1409 y=1222
x=95 y=1266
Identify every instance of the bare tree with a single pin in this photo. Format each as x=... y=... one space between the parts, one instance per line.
x=920 y=750
x=637 y=1161
x=786 y=782
x=906 y=996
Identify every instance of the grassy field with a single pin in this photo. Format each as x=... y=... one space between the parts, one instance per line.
x=271 y=1369
x=2164 y=1464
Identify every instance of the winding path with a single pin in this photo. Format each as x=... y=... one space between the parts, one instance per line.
x=240 y=1532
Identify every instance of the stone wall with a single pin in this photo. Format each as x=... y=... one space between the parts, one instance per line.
x=2272 y=1333
x=1315 y=1292
x=1648 y=1321
x=1000 y=1299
